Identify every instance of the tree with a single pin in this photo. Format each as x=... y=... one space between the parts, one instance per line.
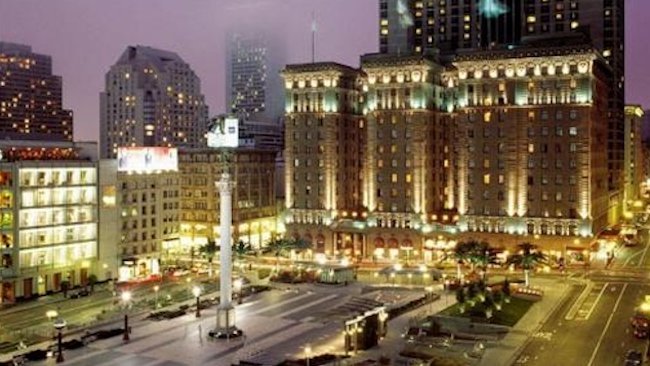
x=65 y=286
x=279 y=247
x=482 y=255
x=460 y=298
x=92 y=280
x=240 y=250
x=209 y=250
x=461 y=255
x=528 y=258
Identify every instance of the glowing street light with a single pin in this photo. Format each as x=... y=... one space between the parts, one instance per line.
x=156 y=288
x=126 y=299
x=238 y=283
x=196 y=291
x=59 y=324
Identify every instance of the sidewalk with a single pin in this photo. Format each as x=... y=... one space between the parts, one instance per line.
x=393 y=343
x=508 y=349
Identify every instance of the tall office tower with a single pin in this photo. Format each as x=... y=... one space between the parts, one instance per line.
x=253 y=83
x=31 y=106
x=634 y=151
x=530 y=125
x=453 y=27
x=151 y=98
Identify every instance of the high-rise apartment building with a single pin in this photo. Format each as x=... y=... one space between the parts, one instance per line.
x=253 y=84
x=462 y=26
x=48 y=218
x=151 y=98
x=31 y=106
x=404 y=156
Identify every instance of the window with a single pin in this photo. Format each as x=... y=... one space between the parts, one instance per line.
x=501 y=179
x=486 y=179
x=393 y=178
x=573 y=131
x=558 y=196
x=408 y=178
x=531 y=148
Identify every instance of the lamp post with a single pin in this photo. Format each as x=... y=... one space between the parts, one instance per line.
x=308 y=353
x=59 y=324
x=238 y=289
x=156 y=288
x=429 y=290
x=197 y=293
x=126 y=298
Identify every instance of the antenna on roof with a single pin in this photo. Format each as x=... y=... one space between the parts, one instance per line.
x=313 y=37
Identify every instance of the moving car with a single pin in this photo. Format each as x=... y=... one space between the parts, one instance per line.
x=633 y=358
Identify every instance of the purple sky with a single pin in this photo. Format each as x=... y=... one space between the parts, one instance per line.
x=85 y=37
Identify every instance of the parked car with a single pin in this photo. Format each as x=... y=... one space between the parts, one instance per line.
x=79 y=293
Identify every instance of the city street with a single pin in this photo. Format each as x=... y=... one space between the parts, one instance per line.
x=594 y=329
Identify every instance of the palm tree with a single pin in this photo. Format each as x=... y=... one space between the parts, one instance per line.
x=527 y=258
x=461 y=255
x=240 y=250
x=483 y=255
x=279 y=247
x=209 y=250
x=300 y=245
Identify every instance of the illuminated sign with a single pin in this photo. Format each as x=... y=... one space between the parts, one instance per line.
x=224 y=133
x=147 y=159
x=492 y=8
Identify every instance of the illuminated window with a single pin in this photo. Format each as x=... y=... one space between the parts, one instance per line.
x=486 y=179
x=408 y=178
x=393 y=178
x=531 y=148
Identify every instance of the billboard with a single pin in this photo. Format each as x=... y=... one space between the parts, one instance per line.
x=147 y=159
x=224 y=133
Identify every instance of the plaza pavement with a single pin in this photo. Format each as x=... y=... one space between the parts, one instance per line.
x=278 y=324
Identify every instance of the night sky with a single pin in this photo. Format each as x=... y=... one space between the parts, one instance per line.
x=85 y=37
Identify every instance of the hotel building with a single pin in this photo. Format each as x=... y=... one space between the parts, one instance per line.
x=406 y=155
x=151 y=98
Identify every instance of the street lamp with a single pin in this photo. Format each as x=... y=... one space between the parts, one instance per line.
x=59 y=324
x=197 y=293
x=308 y=353
x=238 y=289
x=126 y=298
x=156 y=288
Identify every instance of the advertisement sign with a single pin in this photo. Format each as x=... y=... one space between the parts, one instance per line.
x=224 y=133
x=147 y=159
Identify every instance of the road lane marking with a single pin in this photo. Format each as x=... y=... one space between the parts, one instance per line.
x=627 y=261
x=645 y=251
x=593 y=306
x=571 y=314
x=609 y=321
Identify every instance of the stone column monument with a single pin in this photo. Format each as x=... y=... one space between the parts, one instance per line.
x=220 y=137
